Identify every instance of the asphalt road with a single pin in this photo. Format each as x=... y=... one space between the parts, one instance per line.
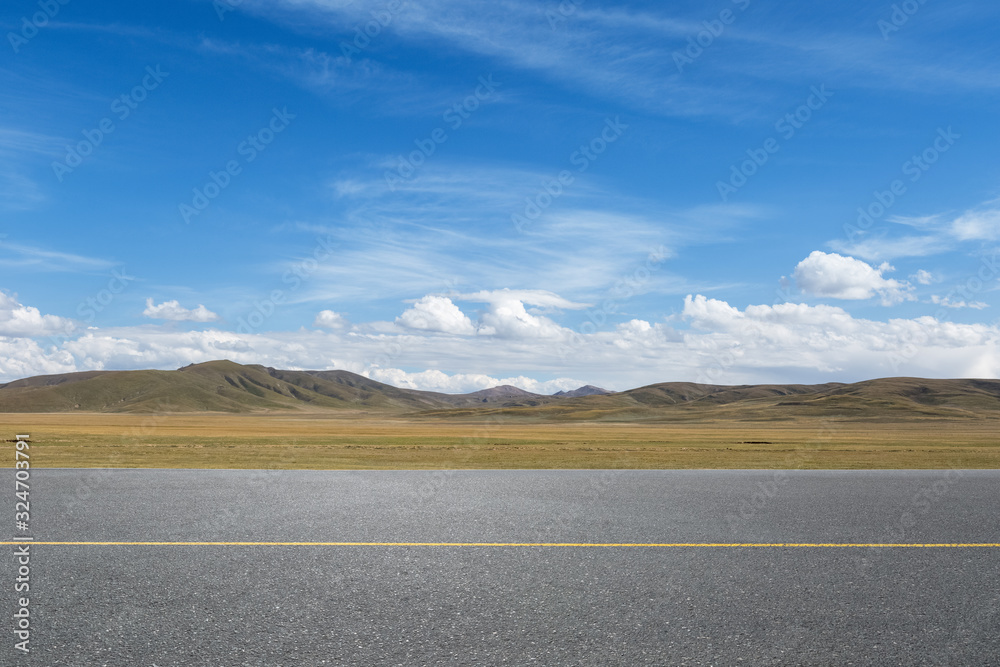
x=229 y=605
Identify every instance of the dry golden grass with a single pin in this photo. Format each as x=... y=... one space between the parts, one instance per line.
x=354 y=441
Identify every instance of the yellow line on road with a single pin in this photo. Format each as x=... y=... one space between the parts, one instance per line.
x=733 y=545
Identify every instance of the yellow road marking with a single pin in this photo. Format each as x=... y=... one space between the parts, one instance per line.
x=827 y=545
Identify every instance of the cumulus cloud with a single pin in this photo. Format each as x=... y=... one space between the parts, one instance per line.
x=838 y=277
x=635 y=328
x=174 y=311
x=507 y=317
x=832 y=342
x=436 y=313
x=18 y=320
x=24 y=357
x=328 y=319
x=507 y=314
x=923 y=277
x=642 y=339
x=463 y=383
x=709 y=341
x=164 y=348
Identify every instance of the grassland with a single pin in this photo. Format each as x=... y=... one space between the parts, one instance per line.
x=351 y=440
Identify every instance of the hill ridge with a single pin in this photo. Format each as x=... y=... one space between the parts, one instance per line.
x=226 y=386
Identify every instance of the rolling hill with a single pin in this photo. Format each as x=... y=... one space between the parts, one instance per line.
x=225 y=386
x=215 y=386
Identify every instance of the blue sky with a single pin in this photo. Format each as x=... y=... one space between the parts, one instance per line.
x=449 y=195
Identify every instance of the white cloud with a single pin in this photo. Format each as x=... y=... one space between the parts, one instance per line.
x=436 y=313
x=463 y=383
x=509 y=319
x=710 y=341
x=161 y=347
x=18 y=320
x=625 y=54
x=835 y=276
x=172 y=310
x=532 y=297
x=923 y=277
x=433 y=234
x=18 y=149
x=833 y=343
x=24 y=357
x=883 y=248
x=917 y=221
x=942 y=233
x=977 y=225
x=948 y=302
x=328 y=319
x=642 y=339
x=506 y=316
x=42 y=259
x=635 y=328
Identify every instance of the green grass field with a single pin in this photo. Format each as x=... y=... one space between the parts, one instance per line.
x=353 y=441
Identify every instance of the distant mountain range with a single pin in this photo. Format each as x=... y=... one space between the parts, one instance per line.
x=586 y=390
x=225 y=386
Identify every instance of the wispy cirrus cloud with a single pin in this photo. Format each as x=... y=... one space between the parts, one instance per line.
x=884 y=247
x=20 y=151
x=627 y=54
x=941 y=233
x=29 y=257
x=449 y=230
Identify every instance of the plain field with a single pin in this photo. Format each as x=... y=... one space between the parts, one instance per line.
x=354 y=441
